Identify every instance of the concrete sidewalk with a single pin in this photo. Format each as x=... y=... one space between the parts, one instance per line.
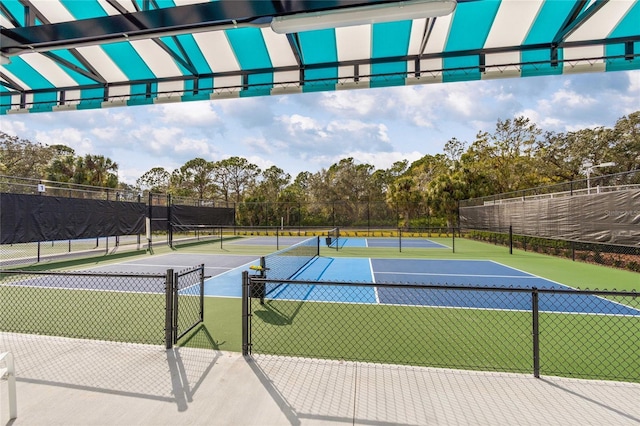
x=78 y=382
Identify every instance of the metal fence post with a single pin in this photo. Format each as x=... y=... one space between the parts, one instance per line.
x=202 y=292
x=245 y=313
x=176 y=312
x=453 y=241
x=168 y=322
x=149 y=221
x=535 y=332
x=169 y=222
x=510 y=239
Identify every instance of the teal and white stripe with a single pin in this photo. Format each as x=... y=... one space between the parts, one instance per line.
x=482 y=39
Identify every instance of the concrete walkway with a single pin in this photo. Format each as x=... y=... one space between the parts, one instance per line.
x=78 y=382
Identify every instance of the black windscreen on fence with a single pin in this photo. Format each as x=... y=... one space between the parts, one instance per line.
x=27 y=218
x=610 y=217
x=195 y=215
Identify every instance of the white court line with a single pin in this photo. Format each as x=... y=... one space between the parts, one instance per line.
x=567 y=286
x=456 y=275
x=373 y=280
x=529 y=274
x=171 y=266
x=233 y=269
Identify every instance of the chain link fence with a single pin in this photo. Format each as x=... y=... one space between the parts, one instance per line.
x=613 y=255
x=591 y=220
x=573 y=333
x=188 y=301
x=161 y=210
x=594 y=185
x=131 y=308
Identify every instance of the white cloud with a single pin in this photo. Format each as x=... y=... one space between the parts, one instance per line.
x=120 y=118
x=261 y=162
x=356 y=102
x=251 y=112
x=571 y=99
x=194 y=148
x=14 y=128
x=189 y=114
x=264 y=146
x=297 y=125
x=157 y=139
x=385 y=160
x=634 y=83
x=73 y=138
x=105 y=133
x=356 y=127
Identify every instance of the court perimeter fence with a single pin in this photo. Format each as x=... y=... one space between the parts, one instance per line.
x=450 y=327
x=154 y=309
x=88 y=220
x=592 y=220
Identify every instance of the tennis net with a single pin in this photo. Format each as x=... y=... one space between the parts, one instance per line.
x=189 y=233
x=332 y=238
x=287 y=263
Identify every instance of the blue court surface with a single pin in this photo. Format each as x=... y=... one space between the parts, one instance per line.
x=224 y=278
x=422 y=271
x=382 y=242
x=388 y=242
x=283 y=241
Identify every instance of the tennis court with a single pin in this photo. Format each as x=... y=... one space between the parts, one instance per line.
x=419 y=271
x=376 y=242
x=223 y=279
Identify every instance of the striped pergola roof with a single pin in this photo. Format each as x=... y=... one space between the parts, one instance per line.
x=83 y=54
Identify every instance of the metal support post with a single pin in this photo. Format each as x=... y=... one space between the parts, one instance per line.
x=168 y=319
x=535 y=332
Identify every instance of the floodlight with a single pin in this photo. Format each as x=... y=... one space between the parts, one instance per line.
x=371 y=14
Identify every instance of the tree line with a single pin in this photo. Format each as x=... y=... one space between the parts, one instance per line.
x=516 y=155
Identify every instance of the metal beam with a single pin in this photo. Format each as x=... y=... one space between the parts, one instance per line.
x=576 y=19
x=7 y=13
x=303 y=80
x=428 y=28
x=186 y=19
x=91 y=74
x=10 y=83
x=183 y=60
x=294 y=43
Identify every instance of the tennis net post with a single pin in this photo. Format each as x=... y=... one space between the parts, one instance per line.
x=284 y=264
x=333 y=237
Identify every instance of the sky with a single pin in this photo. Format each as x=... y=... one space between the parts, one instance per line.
x=308 y=132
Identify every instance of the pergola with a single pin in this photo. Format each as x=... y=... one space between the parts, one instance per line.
x=70 y=54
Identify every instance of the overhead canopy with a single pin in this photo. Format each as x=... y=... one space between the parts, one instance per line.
x=70 y=54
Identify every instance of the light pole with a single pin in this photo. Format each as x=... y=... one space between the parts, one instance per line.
x=589 y=167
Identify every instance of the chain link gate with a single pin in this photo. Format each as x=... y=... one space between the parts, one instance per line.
x=188 y=301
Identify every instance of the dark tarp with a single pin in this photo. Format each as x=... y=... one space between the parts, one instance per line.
x=609 y=218
x=192 y=215
x=28 y=218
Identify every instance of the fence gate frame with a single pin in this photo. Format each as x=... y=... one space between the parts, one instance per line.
x=172 y=311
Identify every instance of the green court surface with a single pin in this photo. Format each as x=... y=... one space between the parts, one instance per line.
x=435 y=337
x=119 y=316
x=572 y=337
x=574 y=274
